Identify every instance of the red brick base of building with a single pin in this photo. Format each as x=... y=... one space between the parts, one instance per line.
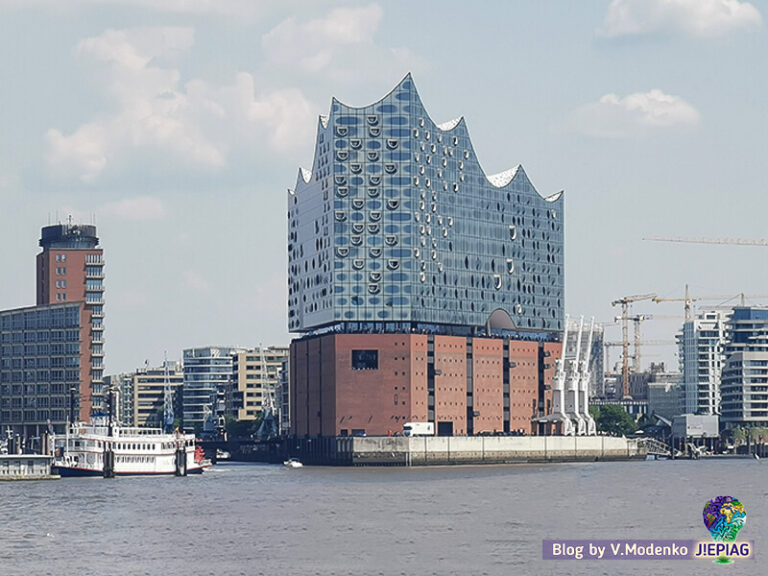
x=372 y=384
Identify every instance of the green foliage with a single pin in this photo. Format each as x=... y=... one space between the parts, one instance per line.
x=241 y=428
x=594 y=411
x=614 y=420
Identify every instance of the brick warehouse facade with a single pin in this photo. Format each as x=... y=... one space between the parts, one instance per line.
x=425 y=289
x=347 y=384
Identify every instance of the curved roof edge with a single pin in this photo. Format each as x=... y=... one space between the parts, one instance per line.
x=407 y=77
x=555 y=197
x=503 y=178
x=451 y=124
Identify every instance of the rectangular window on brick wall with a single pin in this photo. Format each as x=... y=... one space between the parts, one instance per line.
x=365 y=359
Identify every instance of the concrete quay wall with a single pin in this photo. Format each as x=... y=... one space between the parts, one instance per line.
x=25 y=467
x=436 y=451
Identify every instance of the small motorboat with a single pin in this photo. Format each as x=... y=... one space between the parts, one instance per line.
x=293 y=463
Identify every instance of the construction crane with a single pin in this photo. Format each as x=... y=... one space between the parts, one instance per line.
x=625 y=302
x=736 y=241
x=689 y=300
x=609 y=345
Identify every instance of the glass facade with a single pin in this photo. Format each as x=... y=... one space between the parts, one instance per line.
x=40 y=357
x=397 y=226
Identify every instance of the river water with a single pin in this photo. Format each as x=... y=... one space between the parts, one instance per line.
x=255 y=519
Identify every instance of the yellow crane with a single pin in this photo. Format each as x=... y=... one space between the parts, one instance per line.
x=625 y=317
x=733 y=241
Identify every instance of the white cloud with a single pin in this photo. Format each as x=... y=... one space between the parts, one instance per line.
x=634 y=115
x=140 y=208
x=159 y=119
x=699 y=18
x=341 y=45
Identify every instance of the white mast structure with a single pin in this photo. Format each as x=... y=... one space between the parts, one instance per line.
x=586 y=375
x=168 y=415
x=572 y=387
x=268 y=428
x=558 y=389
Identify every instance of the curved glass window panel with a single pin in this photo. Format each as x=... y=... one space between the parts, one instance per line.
x=373 y=155
x=340 y=180
x=375 y=276
x=390 y=240
x=373 y=228
x=416 y=252
x=512 y=232
x=374 y=131
x=358 y=263
x=342 y=155
x=372 y=120
x=358 y=203
x=375 y=215
x=415 y=132
x=373 y=192
x=461 y=177
x=427 y=218
x=427 y=135
x=374 y=180
x=422 y=276
x=466 y=154
x=427 y=182
x=374 y=289
x=342 y=251
x=392 y=204
x=445 y=232
x=393 y=264
x=358 y=228
x=455 y=140
x=518 y=308
x=356 y=167
x=423 y=265
x=341 y=130
x=390 y=168
x=340 y=216
x=391 y=143
x=510 y=265
x=421 y=122
x=450 y=220
x=374 y=252
x=342 y=191
x=356 y=240
x=497 y=281
x=355 y=143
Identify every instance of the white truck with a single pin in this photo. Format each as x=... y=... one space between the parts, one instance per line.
x=419 y=429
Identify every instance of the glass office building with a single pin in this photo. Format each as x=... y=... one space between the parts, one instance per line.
x=397 y=228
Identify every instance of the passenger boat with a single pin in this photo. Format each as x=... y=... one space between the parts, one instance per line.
x=101 y=448
x=293 y=463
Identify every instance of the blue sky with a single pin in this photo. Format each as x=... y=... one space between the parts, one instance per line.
x=178 y=125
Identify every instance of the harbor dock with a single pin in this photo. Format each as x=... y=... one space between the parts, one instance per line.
x=26 y=467
x=470 y=450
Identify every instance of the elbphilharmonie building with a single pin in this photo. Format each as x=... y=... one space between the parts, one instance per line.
x=397 y=229
x=397 y=225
